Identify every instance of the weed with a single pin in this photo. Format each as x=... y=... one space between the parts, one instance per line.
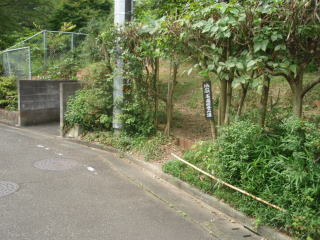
x=279 y=165
x=150 y=147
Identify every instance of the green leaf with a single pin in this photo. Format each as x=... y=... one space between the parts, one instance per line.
x=280 y=47
x=274 y=37
x=293 y=69
x=211 y=67
x=264 y=45
x=240 y=66
x=230 y=65
x=261 y=45
x=227 y=34
x=257 y=47
x=251 y=63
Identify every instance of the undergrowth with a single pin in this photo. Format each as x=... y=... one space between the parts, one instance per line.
x=281 y=166
x=90 y=108
x=149 y=147
x=8 y=93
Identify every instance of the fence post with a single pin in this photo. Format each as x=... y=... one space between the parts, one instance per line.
x=9 y=65
x=72 y=42
x=30 y=66
x=45 y=50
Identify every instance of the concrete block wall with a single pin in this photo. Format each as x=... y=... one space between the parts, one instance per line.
x=39 y=101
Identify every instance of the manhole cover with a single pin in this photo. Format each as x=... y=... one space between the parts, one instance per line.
x=55 y=164
x=7 y=188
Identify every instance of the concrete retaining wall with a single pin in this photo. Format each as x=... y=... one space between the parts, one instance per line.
x=9 y=117
x=39 y=101
x=67 y=90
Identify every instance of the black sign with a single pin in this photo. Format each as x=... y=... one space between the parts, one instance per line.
x=207 y=97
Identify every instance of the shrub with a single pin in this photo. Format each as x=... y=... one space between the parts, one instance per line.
x=91 y=108
x=137 y=118
x=8 y=93
x=281 y=166
x=65 y=69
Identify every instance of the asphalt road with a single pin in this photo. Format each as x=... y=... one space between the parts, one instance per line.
x=90 y=195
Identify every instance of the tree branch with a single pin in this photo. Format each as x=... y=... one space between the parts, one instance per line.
x=310 y=86
x=279 y=74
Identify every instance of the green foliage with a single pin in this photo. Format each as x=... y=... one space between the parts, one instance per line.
x=149 y=147
x=63 y=70
x=16 y=19
x=100 y=41
x=281 y=166
x=146 y=9
x=91 y=108
x=79 y=12
x=243 y=41
x=138 y=113
x=137 y=120
x=140 y=83
x=14 y=36
x=153 y=147
x=8 y=93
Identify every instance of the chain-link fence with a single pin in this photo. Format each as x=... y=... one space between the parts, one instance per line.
x=17 y=62
x=31 y=58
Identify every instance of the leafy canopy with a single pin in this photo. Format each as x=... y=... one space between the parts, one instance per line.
x=16 y=17
x=79 y=12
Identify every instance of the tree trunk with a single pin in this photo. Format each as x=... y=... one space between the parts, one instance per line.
x=299 y=90
x=222 y=102
x=228 y=103
x=297 y=101
x=296 y=85
x=171 y=85
x=244 y=91
x=155 y=88
x=264 y=100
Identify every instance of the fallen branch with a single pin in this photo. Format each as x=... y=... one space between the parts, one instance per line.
x=228 y=185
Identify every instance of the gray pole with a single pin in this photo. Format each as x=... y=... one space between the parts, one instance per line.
x=72 y=42
x=9 y=65
x=29 y=62
x=122 y=13
x=45 y=50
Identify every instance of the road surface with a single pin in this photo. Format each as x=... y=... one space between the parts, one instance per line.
x=53 y=189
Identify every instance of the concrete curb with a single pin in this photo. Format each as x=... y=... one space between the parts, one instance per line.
x=246 y=221
x=8 y=117
x=8 y=123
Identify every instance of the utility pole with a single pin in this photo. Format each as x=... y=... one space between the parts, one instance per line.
x=123 y=11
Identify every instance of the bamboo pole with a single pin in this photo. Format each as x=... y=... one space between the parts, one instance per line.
x=228 y=185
